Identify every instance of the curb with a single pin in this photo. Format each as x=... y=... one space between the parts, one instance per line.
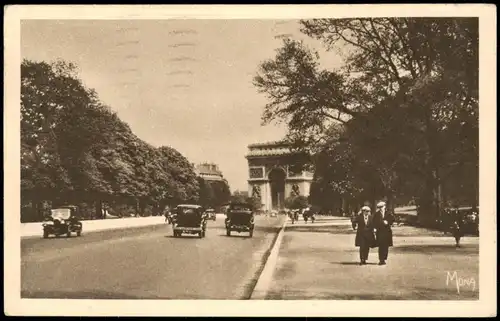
x=264 y=281
x=99 y=229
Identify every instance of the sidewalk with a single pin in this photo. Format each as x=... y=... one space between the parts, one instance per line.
x=322 y=263
x=320 y=220
x=35 y=229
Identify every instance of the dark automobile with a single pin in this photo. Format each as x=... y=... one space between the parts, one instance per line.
x=471 y=220
x=189 y=219
x=468 y=217
x=211 y=214
x=240 y=218
x=63 y=221
x=308 y=214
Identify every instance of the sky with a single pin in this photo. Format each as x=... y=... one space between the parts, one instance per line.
x=180 y=83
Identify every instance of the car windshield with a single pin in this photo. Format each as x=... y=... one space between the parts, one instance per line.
x=61 y=213
x=184 y=210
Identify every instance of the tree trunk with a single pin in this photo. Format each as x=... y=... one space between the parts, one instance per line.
x=142 y=206
x=98 y=210
x=39 y=211
x=390 y=201
x=137 y=207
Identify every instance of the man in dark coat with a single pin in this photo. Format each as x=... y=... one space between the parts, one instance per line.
x=383 y=222
x=365 y=238
x=457 y=227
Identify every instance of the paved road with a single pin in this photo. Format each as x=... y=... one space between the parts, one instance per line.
x=321 y=263
x=147 y=263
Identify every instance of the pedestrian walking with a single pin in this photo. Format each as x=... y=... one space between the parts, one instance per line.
x=383 y=223
x=363 y=223
x=457 y=227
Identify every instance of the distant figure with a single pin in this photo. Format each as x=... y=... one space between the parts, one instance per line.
x=457 y=227
x=307 y=214
x=364 y=225
x=168 y=217
x=383 y=223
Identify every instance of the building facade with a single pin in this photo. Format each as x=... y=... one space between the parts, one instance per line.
x=272 y=178
x=209 y=172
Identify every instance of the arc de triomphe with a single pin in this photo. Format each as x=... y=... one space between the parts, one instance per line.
x=271 y=177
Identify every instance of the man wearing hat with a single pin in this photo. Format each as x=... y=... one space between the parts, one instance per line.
x=383 y=222
x=365 y=238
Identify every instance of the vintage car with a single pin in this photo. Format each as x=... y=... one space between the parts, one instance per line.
x=471 y=220
x=211 y=214
x=467 y=216
x=63 y=221
x=240 y=218
x=308 y=214
x=189 y=219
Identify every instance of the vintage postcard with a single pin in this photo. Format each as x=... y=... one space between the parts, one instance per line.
x=292 y=160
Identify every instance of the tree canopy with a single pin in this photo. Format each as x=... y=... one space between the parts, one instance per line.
x=296 y=202
x=74 y=149
x=398 y=118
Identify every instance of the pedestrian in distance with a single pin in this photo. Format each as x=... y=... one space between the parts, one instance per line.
x=168 y=217
x=363 y=223
x=383 y=223
x=457 y=227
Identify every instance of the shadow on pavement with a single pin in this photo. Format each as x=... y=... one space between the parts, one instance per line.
x=302 y=295
x=353 y=263
x=321 y=229
x=99 y=295
x=236 y=236
x=267 y=229
x=466 y=293
x=187 y=237
x=437 y=248
x=94 y=295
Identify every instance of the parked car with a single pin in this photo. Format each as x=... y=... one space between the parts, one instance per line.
x=467 y=216
x=471 y=220
x=189 y=219
x=63 y=220
x=240 y=218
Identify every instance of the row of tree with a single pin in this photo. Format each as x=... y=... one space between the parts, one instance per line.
x=242 y=197
x=76 y=150
x=397 y=121
x=214 y=194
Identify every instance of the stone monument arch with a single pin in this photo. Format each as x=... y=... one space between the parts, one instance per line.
x=277 y=179
x=271 y=174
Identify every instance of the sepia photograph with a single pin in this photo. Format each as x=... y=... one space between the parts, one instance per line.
x=165 y=160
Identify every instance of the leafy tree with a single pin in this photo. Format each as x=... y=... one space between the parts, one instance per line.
x=76 y=150
x=296 y=202
x=239 y=197
x=406 y=87
x=242 y=197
